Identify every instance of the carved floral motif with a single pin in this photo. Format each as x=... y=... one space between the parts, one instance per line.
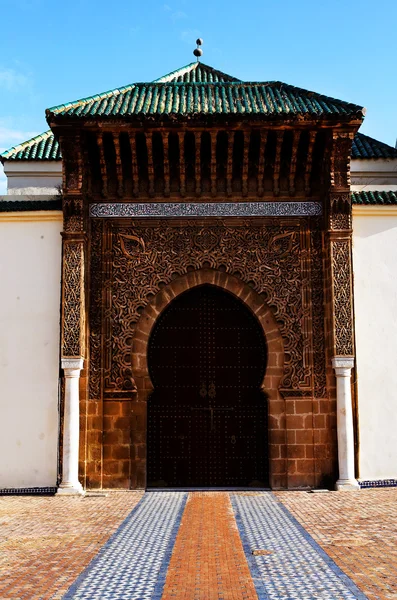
x=72 y=322
x=140 y=259
x=342 y=297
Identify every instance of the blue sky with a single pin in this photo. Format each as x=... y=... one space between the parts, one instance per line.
x=53 y=52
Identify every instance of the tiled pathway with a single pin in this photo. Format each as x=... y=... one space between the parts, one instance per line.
x=132 y=563
x=200 y=546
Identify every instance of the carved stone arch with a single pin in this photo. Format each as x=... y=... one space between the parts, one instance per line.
x=272 y=378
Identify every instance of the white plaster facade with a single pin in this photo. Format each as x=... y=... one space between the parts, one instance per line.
x=30 y=275
x=375 y=293
x=374 y=174
x=28 y=177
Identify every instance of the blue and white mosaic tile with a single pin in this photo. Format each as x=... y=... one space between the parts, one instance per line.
x=132 y=565
x=293 y=566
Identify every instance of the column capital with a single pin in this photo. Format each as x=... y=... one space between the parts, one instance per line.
x=72 y=364
x=343 y=363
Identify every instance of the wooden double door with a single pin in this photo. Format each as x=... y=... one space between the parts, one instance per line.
x=207 y=415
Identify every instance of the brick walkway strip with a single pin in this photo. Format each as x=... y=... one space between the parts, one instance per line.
x=208 y=562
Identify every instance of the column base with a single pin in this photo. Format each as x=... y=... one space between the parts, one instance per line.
x=347 y=485
x=70 y=490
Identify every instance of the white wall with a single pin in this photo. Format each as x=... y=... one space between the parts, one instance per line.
x=33 y=177
x=375 y=289
x=374 y=174
x=30 y=272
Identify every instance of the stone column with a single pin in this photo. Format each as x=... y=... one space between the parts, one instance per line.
x=70 y=484
x=343 y=366
x=341 y=302
x=73 y=310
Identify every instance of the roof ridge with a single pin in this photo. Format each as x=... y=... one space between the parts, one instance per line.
x=185 y=69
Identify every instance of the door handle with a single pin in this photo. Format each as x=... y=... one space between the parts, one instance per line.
x=203 y=390
x=211 y=390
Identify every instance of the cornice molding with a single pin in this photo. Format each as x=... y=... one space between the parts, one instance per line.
x=31 y=216
x=374 y=211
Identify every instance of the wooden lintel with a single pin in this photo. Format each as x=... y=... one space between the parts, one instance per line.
x=294 y=156
x=277 y=163
x=309 y=160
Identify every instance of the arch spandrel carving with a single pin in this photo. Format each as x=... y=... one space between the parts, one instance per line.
x=139 y=259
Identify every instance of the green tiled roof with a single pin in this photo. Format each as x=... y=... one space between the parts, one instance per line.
x=374 y=198
x=271 y=99
x=41 y=147
x=367 y=147
x=197 y=90
x=25 y=205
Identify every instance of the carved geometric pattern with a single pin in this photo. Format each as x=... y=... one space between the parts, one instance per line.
x=340 y=211
x=206 y=209
x=340 y=221
x=342 y=297
x=72 y=310
x=139 y=259
x=72 y=214
x=340 y=169
x=96 y=310
x=318 y=313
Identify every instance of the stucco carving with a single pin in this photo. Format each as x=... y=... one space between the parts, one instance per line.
x=72 y=305
x=73 y=214
x=342 y=297
x=139 y=259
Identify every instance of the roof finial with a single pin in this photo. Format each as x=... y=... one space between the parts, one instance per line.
x=197 y=51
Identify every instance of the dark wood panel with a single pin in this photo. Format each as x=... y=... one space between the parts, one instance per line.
x=207 y=416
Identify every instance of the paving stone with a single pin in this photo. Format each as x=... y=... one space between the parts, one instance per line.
x=132 y=563
x=293 y=566
x=45 y=542
x=358 y=530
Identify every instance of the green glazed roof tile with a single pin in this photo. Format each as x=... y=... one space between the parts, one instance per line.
x=198 y=89
x=365 y=147
x=26 y=205
x=374 y=198
x=41 y=147
x=166 y=99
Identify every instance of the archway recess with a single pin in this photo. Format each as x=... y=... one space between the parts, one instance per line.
x=270 y=383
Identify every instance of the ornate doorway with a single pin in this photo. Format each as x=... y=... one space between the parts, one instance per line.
x=207 y=415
